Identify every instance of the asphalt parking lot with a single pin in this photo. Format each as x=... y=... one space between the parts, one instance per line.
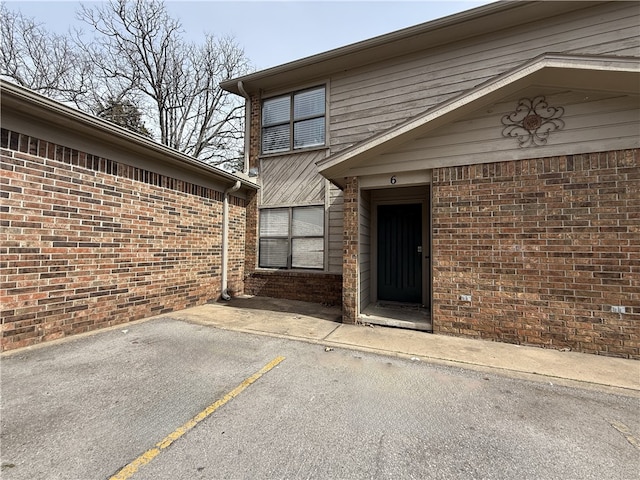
x=121 y=404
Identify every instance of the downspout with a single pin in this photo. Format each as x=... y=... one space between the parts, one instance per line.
x=247 y=126
x=225 y=204
x=225 y=239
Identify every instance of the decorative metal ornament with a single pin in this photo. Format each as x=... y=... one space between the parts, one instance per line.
x=532 y=122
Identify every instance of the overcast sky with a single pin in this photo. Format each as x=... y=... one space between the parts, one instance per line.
x=274 y=32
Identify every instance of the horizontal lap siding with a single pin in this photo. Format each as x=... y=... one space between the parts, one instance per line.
x=592 y=122
x=82 y=249
x=375 y=98
x=545 y=248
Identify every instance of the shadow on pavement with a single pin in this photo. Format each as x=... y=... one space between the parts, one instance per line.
x=317 y=310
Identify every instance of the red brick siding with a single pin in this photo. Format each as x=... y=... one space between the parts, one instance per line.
x=350 y=254
x=254 y=132
x=544 y=247
x=251 y=243
x=251 y=248
x=236 y=247
x=307 y=287
x=84 y=249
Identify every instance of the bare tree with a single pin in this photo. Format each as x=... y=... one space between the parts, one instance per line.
x=204 y=120
x=139 y=50
x=42 y=61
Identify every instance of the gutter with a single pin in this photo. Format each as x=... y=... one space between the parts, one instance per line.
x=225 y=240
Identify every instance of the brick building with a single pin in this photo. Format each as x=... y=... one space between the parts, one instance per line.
x=101 y=226
x=476 y=175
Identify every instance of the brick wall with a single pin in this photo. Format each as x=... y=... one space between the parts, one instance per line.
x=350 y=254
x=292 y=285
x=251 y=245
x=85 y=245
x=255 y=134
x=545 y=248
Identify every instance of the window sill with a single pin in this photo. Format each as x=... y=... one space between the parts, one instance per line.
x=291 y=272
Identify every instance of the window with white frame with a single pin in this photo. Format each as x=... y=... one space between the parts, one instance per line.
x=294 y=121
x=292 y=237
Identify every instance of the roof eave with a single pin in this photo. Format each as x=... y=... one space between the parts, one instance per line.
x=444 y=30
x=27 y=101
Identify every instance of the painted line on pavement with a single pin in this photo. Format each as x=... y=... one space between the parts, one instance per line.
x=126 y=472
x=626 y=433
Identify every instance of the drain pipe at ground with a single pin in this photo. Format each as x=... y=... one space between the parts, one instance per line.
x=225 y=239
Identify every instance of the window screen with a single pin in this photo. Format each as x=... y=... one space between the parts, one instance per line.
x=307 y=252
x=307 y=221
x=274 y=222
x=292 y=237
x=276 y=132
x=276 y=110
x=309 y=103
x=274 y=252
x=294 y=121
x=308 y=133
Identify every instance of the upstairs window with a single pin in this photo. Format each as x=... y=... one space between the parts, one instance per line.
x=292 y=237
x=294 y=121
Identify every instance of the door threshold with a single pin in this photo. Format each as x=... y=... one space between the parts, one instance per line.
x=399 y=315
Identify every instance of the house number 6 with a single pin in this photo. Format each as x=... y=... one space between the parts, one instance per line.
x=393 y=180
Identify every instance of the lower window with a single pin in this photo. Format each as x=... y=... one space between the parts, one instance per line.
x=292 y=237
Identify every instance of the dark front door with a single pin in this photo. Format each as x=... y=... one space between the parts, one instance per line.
x=400 y=253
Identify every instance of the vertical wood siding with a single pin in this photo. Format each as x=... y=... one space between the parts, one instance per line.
x=365 y=249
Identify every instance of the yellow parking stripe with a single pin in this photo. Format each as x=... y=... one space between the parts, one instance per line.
x=126 y=472
x=626 y=432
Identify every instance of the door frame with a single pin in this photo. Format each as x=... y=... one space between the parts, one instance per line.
x=403 y=196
